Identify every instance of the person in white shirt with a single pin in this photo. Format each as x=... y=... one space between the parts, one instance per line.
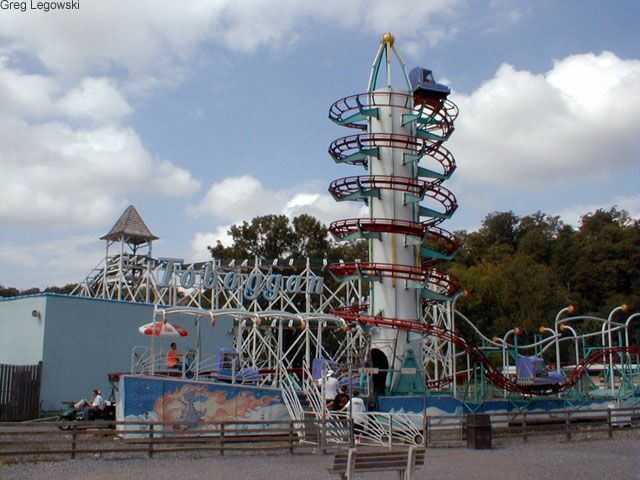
x=356 y=406
x=91 y=409
x=331 y=385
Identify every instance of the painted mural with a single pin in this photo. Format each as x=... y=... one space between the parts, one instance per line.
x=196 y=402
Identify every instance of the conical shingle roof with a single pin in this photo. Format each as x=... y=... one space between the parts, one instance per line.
x=130 y=226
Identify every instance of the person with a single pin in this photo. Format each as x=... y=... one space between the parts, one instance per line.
x=331 y=385
x=91 y=409
x=356 y=406
x=173 y=357
x=189 y=363
x=340 y=399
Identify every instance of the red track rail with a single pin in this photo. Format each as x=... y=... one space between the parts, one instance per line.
x=343 y=147
x=442 y=115
x=442 y=283
x=382 y=270
x=350 y=226
x=444 y=197
x=439 y=239
x=345 y=186
x=493 y=374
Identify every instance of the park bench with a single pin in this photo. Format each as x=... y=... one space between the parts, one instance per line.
x=347 y=463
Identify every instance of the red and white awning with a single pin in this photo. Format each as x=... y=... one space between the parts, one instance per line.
x=163 y=329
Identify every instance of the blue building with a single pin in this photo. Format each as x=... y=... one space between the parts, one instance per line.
x=81 y=340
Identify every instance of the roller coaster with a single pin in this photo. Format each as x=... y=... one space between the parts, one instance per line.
x=402 y=148
x=475 y=353
x=389 y=323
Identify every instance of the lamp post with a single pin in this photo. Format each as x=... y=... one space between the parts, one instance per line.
x=626 y=337
x=505 y=360
x=622 y=308
x=570 y=309
x=575 y=337
x=626 y=328
x=464 y=293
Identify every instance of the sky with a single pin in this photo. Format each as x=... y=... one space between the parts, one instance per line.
x=205 y=113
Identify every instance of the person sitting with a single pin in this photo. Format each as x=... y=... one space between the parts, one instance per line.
x=91 y=410
x=173 y=357
x=340 y=399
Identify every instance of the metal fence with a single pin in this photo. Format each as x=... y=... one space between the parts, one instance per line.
x=19 y=392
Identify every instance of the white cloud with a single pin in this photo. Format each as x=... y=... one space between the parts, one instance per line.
x=153 y=37
x=40 y=96
x=241 y=198
x=238 y=199
x=202 y=240
x=573 y=213
x=52 y=262
x=54 y=174
x=579 y=120
x=95 y=98
x=323 y=207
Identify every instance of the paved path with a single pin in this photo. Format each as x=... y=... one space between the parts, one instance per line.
x=617 y=459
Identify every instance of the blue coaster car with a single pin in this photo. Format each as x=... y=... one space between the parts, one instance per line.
x=532 y=372
x=227 y=367
x=425 y=89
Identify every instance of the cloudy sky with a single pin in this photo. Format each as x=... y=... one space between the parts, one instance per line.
x=203 y=113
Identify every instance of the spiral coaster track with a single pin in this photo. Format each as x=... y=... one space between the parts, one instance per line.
x=429 y=119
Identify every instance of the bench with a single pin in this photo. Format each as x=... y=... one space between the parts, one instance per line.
x=346 y=463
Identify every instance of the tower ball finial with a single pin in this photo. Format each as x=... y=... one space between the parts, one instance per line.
x=387 y=38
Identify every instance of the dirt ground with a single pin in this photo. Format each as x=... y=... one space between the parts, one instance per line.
x=539 y=459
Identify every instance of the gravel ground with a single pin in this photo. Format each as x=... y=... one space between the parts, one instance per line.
x=590 y=459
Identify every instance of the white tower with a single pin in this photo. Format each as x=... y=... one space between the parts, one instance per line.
x=403 y=126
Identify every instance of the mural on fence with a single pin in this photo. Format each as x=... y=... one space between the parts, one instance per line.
x=197 y=402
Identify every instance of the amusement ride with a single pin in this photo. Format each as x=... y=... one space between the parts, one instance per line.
x=388 y=325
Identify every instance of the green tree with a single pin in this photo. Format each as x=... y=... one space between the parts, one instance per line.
x=536 y=235
x=310 y=237
x=604 y=256
x=267 y=236
x=9 y=291
x=515 y=291
x=495 y=239
x=67 y=289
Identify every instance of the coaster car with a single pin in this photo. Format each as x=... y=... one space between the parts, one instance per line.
x=425 y=89
x=532 y=373
x=227 y=367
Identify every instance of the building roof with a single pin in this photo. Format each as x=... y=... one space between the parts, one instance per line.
x=130 y=226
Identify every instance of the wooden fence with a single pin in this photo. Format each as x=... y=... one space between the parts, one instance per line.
x=450 y=430
x=19 y=392
x=35 y=441
x=41 y=441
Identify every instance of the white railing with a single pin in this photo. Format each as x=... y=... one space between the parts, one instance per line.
x=314 y=396
x=292 y=401
x=386 y=429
